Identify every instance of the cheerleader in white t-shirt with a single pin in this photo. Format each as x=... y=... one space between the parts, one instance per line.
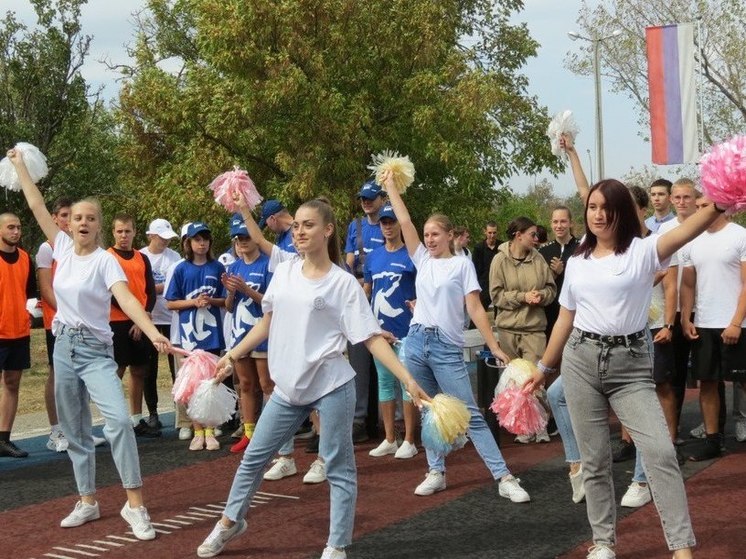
x=312 y=309
x=85 y=279
x=601 y=337
x=435 y=343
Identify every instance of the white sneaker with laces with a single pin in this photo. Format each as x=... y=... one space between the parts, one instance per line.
x=185 y=433
x=543 y=437
x=316 y=472
x=219 y=538
x=384 y=449
x=600 y=551
x=82 y=513
x=636 y=496
x=578 y=489
x=333 y=553
x=741 y=432
x=284 y=466
x=139 y=520
x=698 y=432
x=57 y=442
x=510 y=488
x=406 y=450
x=525 y=439
x=434 y=481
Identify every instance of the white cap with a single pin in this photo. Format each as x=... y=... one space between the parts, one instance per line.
x=185 y=229
x=162 y=228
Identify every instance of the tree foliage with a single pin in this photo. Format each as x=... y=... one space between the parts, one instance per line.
x=300 y=93
x=721 y=54
x=46 y=102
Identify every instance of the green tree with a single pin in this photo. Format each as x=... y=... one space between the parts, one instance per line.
x=721 y=54
x=46 y=102
x=300 y=93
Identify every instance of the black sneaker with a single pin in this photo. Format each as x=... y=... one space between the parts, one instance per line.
x=154 y=422
x=312 y=447
x=709 y=450
x=143 y=429
x=359 y=433
x=7 y=448
x=625 y=451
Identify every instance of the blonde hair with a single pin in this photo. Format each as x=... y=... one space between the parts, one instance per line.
x=442 y=221
x=99 y=215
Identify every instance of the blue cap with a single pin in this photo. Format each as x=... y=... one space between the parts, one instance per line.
x=196 y=228
x=238 y=227
x=387 y=211
x=370 y=190
x=270 y=208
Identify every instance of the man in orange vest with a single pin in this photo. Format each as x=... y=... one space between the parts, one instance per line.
x=131 y=347
x=17 y=284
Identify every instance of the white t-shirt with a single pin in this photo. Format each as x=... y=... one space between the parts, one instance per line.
x=717 y=259
x=665 y=227
x=312 y=321
x=611 y=295
x=442 y=284
x=82 y=288
x=44 y=256
x=161 y=263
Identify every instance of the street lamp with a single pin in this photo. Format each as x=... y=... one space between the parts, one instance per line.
x=596 y=42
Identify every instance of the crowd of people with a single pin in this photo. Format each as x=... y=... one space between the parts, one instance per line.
x=614 y=320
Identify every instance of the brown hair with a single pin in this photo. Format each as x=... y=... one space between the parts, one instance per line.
x=189 y=253
x=621 y=216
x=324 y=209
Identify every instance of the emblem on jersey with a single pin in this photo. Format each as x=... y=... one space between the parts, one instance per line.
x=319 y=303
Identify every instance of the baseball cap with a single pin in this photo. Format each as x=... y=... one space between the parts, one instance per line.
x=387 y=211
x=162 y=228
x=238 y=227
x=270 y=208
x=185 y=229
x=196 y=228
x=370 y=190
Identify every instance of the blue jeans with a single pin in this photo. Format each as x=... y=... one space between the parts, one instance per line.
x=598 y=376
x=558 y=403
x=438 y=366
x=278 y=422
x=639 y=474
x=84 y=370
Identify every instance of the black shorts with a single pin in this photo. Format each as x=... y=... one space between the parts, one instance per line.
x=126 y=350
x=663 y=361
x=714 y=360
x=15 y=355
x=50 y=346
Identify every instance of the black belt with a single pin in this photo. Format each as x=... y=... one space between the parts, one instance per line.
x=614 y=340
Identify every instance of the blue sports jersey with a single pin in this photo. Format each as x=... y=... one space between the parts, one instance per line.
x=285 y=241
x=392 y=276
x=246 y=311
x=372 y=239
x=198 y=328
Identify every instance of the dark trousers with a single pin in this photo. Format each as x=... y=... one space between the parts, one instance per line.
x=150 y=387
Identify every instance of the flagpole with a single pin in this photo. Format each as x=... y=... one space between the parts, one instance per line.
x=700 y=89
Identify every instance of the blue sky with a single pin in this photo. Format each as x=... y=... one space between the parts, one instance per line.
x=111 y=24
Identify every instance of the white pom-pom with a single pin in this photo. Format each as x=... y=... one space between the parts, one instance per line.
x=562 y=123
x=35 y=162
x=401 y=168
x=212 y=404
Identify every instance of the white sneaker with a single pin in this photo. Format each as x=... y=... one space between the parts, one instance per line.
x=698 y=432
x=510 y=488
x=578 y=489
x=600 y=552
x=316 y=473
x=406 y=450
x=543 y=437
x=525 y=439
x=333 y=553
x=185 y=433
x=82 y=513
x=636 y=496
x=219 y=538
x=139 y=520
x=434 y=481
x=384 y=449
x=741 y=432
x=57 y=442
x=98 y=441
x=283 y=466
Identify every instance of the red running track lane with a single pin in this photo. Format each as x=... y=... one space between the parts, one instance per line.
x=279 y=528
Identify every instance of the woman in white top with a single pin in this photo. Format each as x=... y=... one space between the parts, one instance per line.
x=607 y=359
x=435 y=341
x=85 y=279
x=312 y=309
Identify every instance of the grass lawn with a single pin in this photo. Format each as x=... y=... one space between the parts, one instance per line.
x=32 y=384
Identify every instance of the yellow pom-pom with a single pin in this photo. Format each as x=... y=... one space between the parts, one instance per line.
x=451 y=416
x=401 y=168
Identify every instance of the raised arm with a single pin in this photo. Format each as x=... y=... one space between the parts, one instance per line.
x=34 y=199
x=581 y=182
x=408 y=230
x=254 y=231
x=693 y=226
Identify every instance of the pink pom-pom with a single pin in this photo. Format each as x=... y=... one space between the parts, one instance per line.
x=199 y=366
x=723 y=174
x=519 y=412
x=229 y=182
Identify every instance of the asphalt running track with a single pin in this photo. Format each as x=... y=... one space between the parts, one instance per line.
x=185 y=492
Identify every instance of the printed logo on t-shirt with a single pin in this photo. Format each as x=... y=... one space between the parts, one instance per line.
x=319 y=303
x=201 y=323
x=381 y=303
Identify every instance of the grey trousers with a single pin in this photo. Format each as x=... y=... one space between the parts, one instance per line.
x=598 y=376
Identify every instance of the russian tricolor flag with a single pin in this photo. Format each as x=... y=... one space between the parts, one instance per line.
x=672 y=88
